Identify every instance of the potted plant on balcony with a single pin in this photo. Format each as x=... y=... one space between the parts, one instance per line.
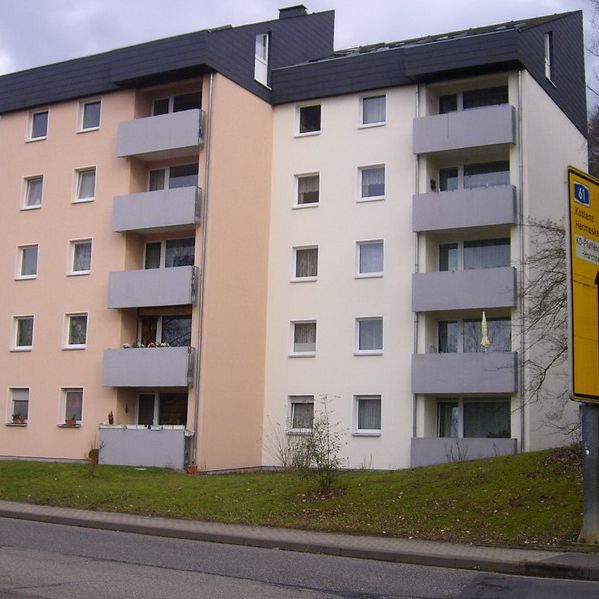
x=72 y=421
x=17 y=418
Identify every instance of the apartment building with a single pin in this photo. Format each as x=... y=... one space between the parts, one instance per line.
x=210 y=238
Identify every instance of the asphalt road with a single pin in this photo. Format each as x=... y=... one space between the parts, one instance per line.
x=51 y=561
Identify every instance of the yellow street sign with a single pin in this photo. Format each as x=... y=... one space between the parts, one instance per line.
x=583 y=284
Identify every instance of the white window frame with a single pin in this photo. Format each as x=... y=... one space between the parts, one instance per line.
x=296 y=205
x=11 y=406
x=156 y=414
x=261 y=64
x=368 y=275
x=460 y=250
x=299 y=399
x=461 y=401
x=366 y=432
x=77 y=184
x=367 y=352
x=67 y=328
x=301 y=354
x=73 y=243
x=162 y=243
x=63 y=416
x=82 y=105
x=159 y=324
x=15 y=332
x=548 y=47
x=361 y=170
x=30 y=120
x=26 y=187
x=294 y=251
x=20 y=253
x=167 y=174
x=361 y=123
x=298 y=110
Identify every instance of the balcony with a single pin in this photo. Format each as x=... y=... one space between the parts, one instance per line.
x=472 y=128
x=164 y=136
x=460 y=373
x=161 y=211
x=432 y=450
x=148 y=367
x=152 y=287
x=465 y=289
x=479 y=207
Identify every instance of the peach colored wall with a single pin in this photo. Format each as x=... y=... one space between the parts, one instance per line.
x=232 y=379
x=48 y=367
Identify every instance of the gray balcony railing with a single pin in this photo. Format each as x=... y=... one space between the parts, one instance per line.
x=478 y=127
x=163 y=136
x=432 y=450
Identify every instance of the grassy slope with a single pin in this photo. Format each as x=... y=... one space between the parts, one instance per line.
x=519 y=500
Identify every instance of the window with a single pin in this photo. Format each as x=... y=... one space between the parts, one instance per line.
x=162 y=409
x=303 y=338
x=372 y=183
x=367 y=419
x=308 y=190
x=27 y=262
x=90 y=115
x=19 y=405
x=472 y=176
x=374 y=110
x=466 y=335
x=369 y=260
x=171 y=253
x=301 y=413
x=548 y=42
x=477 y=254
x=448 y=179
x=183 y=175
x=475 y=98
x=309 y=119
x=23 y=327
x=261 y=58
x=39 y=125
x=174 y=330
x=81 y=257
x=369 y=336
x=73 y=404
x=177 y=103
x=482 y=418
x=76 y=333
x=305 y=264
x=33 y=192
x=86 y=185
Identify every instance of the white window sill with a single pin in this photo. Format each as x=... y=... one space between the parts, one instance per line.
x=304 y=280
x=366 y=434
x=35 y=207
x=370 y=199
x=307 y=134
x=73 y=347
x=22 y=349
x=33 y=139
x=369 y=275
x=306 y=354
x=16 y=424
x=79 y=273
x=83 y=200
x=26 y=278
x=88 y=130
x=369 y=352
x=310 y=205
x=371 y=125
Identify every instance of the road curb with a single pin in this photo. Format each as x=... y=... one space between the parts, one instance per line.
x=552 y=568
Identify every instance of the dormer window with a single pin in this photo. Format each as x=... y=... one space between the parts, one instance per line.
x=261 y=58
x=549 y=55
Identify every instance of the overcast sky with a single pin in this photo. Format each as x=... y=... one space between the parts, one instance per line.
x=37 y=32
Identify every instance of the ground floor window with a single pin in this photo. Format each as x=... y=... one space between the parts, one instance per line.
x=479 y=417
x=162 y=408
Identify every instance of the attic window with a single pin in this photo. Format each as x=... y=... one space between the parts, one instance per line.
x=261 y=58
x=549 y=55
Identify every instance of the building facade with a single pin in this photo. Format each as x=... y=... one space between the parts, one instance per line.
x=212 y=238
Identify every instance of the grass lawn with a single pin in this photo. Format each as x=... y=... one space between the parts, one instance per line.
x=521 y=500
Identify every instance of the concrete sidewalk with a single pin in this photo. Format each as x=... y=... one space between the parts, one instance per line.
x=553 y=564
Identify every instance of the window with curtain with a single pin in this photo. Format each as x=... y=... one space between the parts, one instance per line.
x=370 y=334
x=91 y=115
x=489 y=96
x=73 y=399
x=486 y=253
x=372 y=181
x=448 y=337
x=374 y=110
x=370 y=257
x=306 y=263
x=368 y=413
x=33 y=197
x=487 y=419
x=179 y=252
x=39 y=124
x=176 y=330
x=499 y=333
x=77 y=329
x=24 y=336
x=308 y=189
x=82 y=256
x=486 y=174
x=304 y=337
x=86 y=184
x=448 y=257
x=20 y=403
x=448 y=418
x=301 y=417
x=28 y=261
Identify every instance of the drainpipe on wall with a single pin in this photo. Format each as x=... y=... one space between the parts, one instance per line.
x=521 y=281
x=202 y=275
x=416 y=268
